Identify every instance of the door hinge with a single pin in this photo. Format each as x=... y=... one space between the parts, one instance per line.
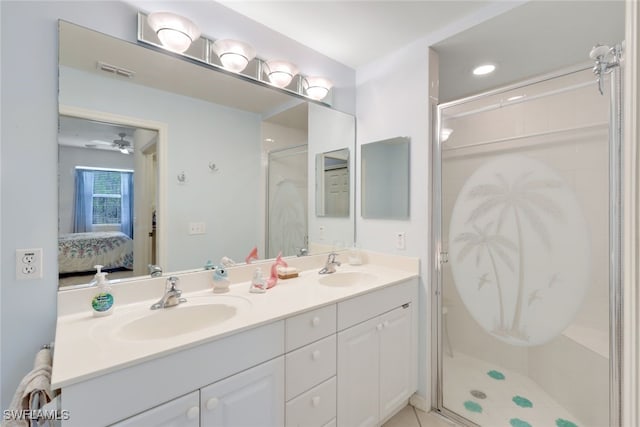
x=444 y=257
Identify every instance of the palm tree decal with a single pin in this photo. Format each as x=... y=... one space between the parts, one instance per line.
x=525 y=202
x=491 y=244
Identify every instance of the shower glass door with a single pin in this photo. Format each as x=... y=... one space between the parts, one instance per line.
x=524 y=308
x=287 y=201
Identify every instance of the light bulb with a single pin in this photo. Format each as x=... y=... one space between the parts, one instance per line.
x=175 y=32
x=317 y=87
x=234 y=55
x=280 y=73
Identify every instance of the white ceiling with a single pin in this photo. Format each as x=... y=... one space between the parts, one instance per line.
x=355 y=32
x=533 y=38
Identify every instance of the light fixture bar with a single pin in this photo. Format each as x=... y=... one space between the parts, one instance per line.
x=201 y=50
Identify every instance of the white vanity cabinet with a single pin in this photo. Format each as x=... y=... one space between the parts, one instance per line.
x=376 y=357
x=311 y=368
x=180 y=412
x=253 y=398
x=350 y=362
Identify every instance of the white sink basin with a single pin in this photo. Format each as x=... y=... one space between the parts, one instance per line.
x=346 y=278
x=196 y=314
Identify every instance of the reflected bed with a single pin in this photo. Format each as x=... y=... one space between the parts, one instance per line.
x=79 y=252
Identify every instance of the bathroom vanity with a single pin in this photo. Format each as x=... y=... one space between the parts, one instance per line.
x=317 y=350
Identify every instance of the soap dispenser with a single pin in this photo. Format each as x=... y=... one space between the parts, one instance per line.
x=102 y=301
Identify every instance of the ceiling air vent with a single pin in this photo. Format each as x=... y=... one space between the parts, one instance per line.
x=112 y=69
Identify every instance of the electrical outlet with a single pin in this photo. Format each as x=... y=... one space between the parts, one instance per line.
x=321 y=232
x=29 y=264
x=197 y=228
x=401 y=241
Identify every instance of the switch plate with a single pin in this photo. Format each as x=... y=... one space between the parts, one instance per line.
x=197 y=228
x=28 y=264
x=321 y=232
x=401 y=241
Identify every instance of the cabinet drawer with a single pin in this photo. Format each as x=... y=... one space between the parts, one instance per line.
x=309 y=327
x=315 y=408
x=310 y=365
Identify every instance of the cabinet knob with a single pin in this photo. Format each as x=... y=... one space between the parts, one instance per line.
x=379 y=326
x=315 y=401
x=315 y=321
x=212 y=403
x=315 y=355
x=193 y=412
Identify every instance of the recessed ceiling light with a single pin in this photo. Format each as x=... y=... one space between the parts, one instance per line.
x=484 y=69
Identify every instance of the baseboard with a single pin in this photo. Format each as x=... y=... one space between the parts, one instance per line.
x=419 y=402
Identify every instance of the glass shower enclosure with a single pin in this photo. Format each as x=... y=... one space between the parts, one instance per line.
x=526 y=215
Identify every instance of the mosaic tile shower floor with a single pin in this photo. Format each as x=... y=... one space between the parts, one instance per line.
x=492 y=396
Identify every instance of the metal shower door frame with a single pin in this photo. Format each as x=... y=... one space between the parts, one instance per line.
x=438 y=257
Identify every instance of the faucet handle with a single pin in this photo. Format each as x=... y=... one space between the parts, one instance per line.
x=172 y=282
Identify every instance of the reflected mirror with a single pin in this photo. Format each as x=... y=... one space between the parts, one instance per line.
x=385 y=179
x=332 y=183
x=220 y=164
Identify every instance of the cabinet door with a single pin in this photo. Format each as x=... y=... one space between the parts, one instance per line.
x=180 y=412
x=253 y=398
x=395 y=359
x=358 y=356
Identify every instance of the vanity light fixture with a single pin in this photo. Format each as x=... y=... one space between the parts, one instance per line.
x=234 y=55
x=317 y=87
x=484 y=69
x=280 y=73
x=175 y=32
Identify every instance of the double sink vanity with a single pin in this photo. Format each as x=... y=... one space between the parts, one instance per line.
x=335 y=349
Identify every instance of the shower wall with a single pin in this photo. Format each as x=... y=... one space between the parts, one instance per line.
x=562 y=124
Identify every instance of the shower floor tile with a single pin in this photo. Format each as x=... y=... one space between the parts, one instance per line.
x=510 y=399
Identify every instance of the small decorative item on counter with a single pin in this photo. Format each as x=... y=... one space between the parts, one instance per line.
x=227 y=262
x=273 y=279
x=208 y=265
x=102 y=301
x=287 y=272
x=258 y=284
x=221 y=280
x=253 y=255
x=355 y=256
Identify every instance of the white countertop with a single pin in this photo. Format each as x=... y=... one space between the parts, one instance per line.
x=87 y=346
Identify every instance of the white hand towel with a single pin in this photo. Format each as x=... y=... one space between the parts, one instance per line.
x=34 y=391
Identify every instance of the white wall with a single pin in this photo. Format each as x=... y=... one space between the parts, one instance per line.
x=28 y=150
x=393 y=100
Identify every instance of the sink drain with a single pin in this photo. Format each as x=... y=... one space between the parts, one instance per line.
x=478 y=394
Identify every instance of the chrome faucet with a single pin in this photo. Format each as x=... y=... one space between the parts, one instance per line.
x=330 y=266
x=302 y=252
x=155 y=270
x=171 y=296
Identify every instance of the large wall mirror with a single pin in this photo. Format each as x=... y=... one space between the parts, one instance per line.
x=164 y=161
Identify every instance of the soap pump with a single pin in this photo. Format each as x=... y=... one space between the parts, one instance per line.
x=102 y=301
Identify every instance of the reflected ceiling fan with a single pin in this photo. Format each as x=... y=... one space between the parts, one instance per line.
x=121 y=144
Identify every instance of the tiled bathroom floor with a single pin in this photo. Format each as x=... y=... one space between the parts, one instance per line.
x=412 y=417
